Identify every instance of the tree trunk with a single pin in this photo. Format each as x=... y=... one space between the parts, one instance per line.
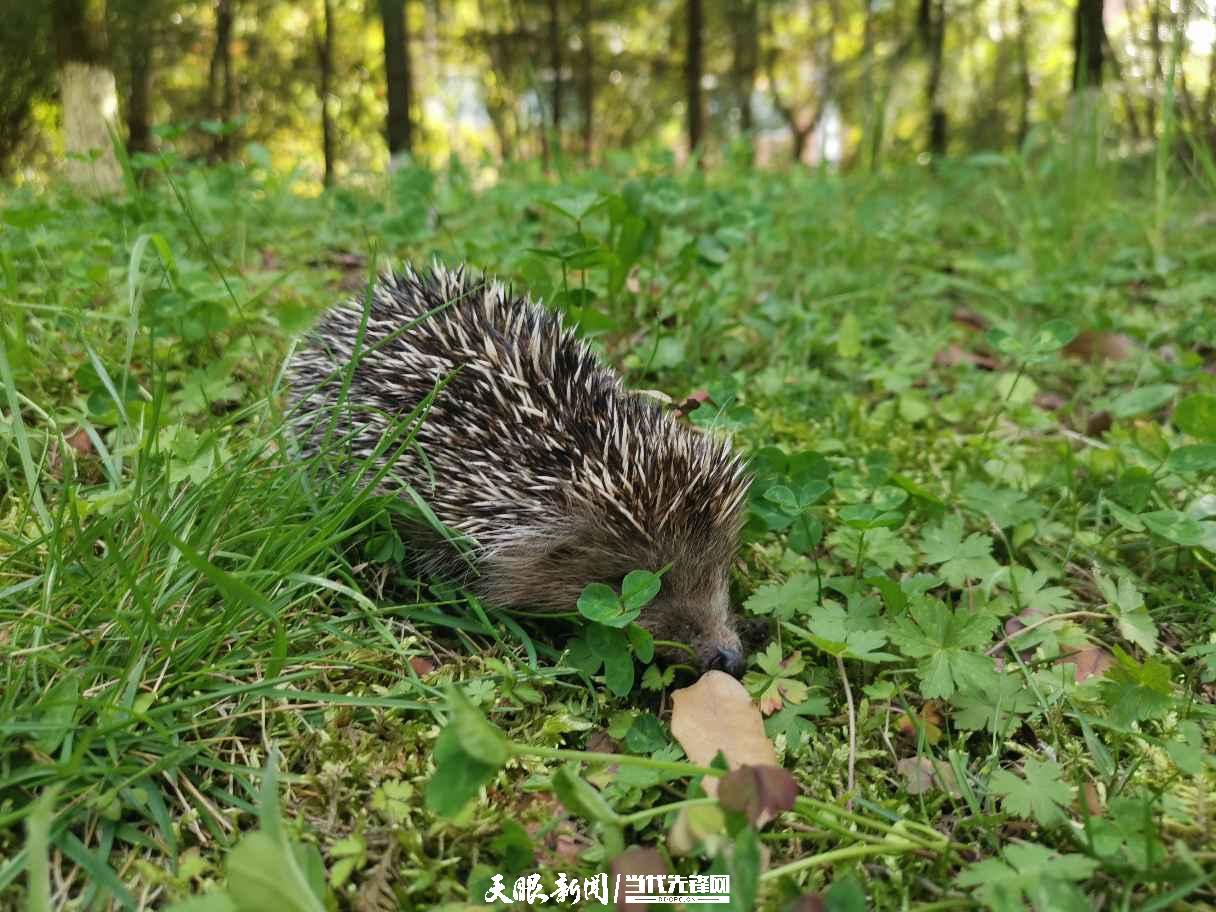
x=1088 y=45
x=1023 y=72
x=555 y=63
x=89 y=96
x=587 y=79
x=325 y=55
x=746 y=53
x=694 y=67
x=398 y=74
x=139 y=118
x=220 y=85
x=1209 y=95
x=931 y=24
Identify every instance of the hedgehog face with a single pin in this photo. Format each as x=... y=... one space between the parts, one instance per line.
x=693 y=607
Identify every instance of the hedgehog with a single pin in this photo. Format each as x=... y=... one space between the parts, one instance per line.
x=550 y=473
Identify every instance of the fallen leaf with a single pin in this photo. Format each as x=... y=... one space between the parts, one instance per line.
x=1050 y=402
x=633 y=871
x=760 y=792
x=965 y=316
x=601 y=742
x=1091 y=799
x=954 y=355
x=1095 y=345
x=929 y=718
x=422 y=665
x=1090 y=661
x=716 y=714
x=922 y=774
x=811 y=902
x=1098 y=424
x=81 y=443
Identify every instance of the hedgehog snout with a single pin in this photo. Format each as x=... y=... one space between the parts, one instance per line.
x=728 y=660
x=719 y=648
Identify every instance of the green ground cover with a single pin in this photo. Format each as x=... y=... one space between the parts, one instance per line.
x=981 y=409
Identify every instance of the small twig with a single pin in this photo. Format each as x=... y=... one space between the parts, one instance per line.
x=1068 y=615
x=848 y=696
x=1081 y=438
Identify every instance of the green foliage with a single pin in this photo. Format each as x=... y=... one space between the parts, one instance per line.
x=177 y=591
x=947 y=644
x=1037 y=794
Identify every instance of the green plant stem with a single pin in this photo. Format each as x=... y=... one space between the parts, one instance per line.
x=836 y=855
x=667 y=766
x=812 y=807
x=1004 y=402
x=644 y=815
x=1066 y=616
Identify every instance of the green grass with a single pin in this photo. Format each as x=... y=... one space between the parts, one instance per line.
x=178 y=597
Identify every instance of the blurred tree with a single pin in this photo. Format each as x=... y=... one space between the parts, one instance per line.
x=1024 y=81
x=745 y=45
x=27 y=76
x=555 y=65
x=1088 y=45
x=221 y=84
x=586 y=76
x=694 y=70
x=135 y=28
x=398 y=76
x=88 y=94
x=931 y=29
x=325 y=63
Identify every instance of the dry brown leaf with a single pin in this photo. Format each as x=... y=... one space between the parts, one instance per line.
x=965 y=316
x=601 y=742
x=1094 y=345
x=929 y=718
x=1050 y=402
x=759 y=792
x=1090 y=661
x=717 y=714
x=1091 y=799
x=954 y=355
x=640 y=863
x=811 y=902
x=81 y=443
x=422 y=665
x=922 y=774
x=1098 y=424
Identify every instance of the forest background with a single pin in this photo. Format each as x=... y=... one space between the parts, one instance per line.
x=328 y=85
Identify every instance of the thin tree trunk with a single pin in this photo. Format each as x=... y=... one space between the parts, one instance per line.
x=325 y=54
x=1088 y=45
x=399 y=77
x=587 y=79
x=931 y=23
x=874 y=111
x=139 y=126
x=89 y=96
x=1125 y=92
x=555 y=63
x=220 y=84
x=693 y=70
x=1023 y=72
x=1157 y=76
x=745 y=35
x=1209 y=95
